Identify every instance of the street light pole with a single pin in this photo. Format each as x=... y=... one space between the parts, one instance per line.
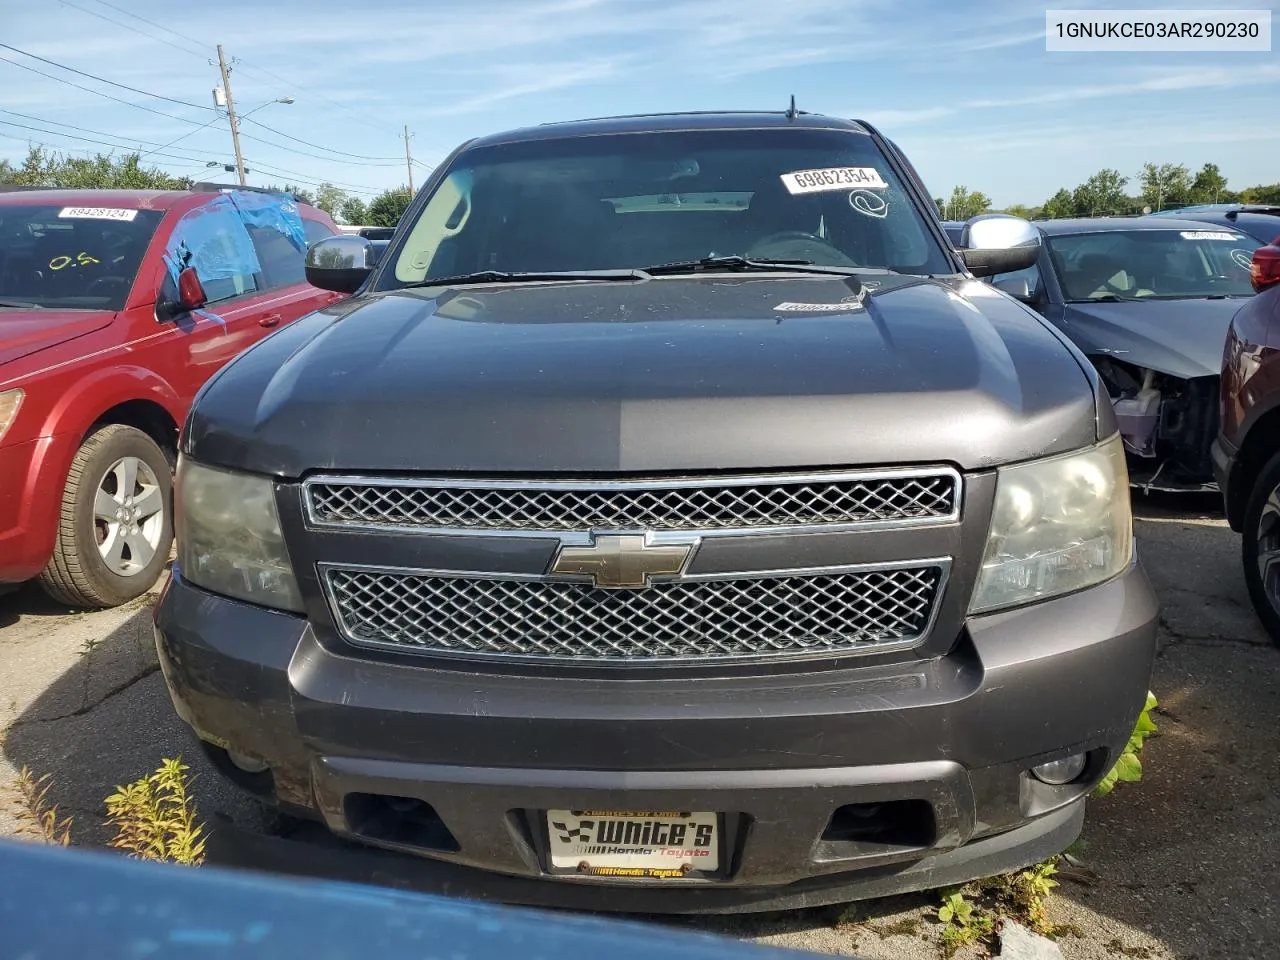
x=231 y=114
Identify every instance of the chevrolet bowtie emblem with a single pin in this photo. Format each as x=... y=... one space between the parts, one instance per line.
x=622 y=561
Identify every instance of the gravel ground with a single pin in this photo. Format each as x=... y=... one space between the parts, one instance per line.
x=1185 y=862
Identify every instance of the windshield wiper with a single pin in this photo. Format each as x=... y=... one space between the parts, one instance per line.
x=1110 y=298
x=501 y=276
x=744 y=264
x=21 y=304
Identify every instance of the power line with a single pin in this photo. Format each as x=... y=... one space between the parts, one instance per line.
x=141 y=33
x=168 y=116
x=267 y=169
x=312 y=156
x=290 y=85
x=176 y=139
x=342 y=153
x=130 y=145
x=93 y=76
x=105 y=96
x=310 y=181
x=102 y=143
x=100 y=133
x=151 y=23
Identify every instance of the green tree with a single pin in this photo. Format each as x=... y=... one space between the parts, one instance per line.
x=303 y=196
x=1263 y=193
x=1165 y=185
x=7 y=173
x=965 y=204
x=1101 y=195
x=941 y=205
x=1209 y=186
x=329 y=198
x=102 y=172
x=1021 y=210
x=353 y=210
x=1058 y=206
x=387 y=207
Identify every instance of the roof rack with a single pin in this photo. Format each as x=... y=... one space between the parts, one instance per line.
x=220 y=187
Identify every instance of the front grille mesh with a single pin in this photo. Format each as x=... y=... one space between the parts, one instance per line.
x=711 y=505
x=684 y=620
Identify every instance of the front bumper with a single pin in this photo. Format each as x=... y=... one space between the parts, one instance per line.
x=777 y=754
x=32 y=477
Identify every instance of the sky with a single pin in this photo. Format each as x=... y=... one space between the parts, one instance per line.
x=967 y=90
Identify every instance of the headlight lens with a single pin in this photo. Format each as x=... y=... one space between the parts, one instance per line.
x=1058 y=525
x=10 y=401
x=229 y=538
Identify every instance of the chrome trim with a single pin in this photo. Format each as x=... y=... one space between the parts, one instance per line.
x=943 y=565
x=584 y=537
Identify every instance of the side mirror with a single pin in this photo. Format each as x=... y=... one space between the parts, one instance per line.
x=997 y=243
x=190 y=296
x=1016 y=288
x=341 y=263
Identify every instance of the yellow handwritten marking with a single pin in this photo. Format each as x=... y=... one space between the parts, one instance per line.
x=82 y=259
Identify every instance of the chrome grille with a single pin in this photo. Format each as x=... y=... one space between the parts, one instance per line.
x=762 y=617
x=658 y=505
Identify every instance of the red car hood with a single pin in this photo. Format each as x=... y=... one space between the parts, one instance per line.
x=23 y=332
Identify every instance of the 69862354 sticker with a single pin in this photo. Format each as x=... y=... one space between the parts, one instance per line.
x=833 y=178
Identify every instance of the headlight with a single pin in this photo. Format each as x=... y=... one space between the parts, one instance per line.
x=229 y=538
x=10 y=401
x=1058 y=525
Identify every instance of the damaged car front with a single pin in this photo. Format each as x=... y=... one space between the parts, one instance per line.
x=1148 y=300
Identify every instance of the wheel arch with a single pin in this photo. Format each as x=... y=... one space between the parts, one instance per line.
x=132 y=396
x=1260 y=443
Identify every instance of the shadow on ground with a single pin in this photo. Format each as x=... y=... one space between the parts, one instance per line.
x=1187 y=857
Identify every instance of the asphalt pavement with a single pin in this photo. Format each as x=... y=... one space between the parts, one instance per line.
x=1185 y=863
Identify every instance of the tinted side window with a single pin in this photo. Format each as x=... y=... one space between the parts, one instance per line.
x=281 y=262
x=316 y=230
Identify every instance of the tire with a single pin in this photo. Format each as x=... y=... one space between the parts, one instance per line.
x=1261 y=538
x=111 y=545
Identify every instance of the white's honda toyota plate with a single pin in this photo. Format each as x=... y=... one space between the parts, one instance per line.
x=613 y=843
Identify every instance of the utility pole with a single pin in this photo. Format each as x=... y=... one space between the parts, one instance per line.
x=231 y=113
x=408 y=158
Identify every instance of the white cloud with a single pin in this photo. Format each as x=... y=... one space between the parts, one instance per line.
x=525 y=81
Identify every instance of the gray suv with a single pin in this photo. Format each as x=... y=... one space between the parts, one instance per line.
x=670 y=522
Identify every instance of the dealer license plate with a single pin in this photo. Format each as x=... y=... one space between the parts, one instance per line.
x=614 y=843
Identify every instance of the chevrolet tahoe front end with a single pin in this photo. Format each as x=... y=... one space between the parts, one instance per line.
x=728 y=584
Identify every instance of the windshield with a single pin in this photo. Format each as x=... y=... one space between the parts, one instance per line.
x=624 y=201
x=1154 y=264
x=71 y=257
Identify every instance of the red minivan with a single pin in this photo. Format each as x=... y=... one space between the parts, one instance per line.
x=115 y=307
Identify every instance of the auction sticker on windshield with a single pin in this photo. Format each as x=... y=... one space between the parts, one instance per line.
x=613 y=843
x=1206 y=235
x=97 y=213
x=832 y=178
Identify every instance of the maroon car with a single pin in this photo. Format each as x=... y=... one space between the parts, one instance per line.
x=116 y=307
x=1246 y=454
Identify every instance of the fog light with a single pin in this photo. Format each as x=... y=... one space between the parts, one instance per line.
x=247 y=764
x=1059 y=772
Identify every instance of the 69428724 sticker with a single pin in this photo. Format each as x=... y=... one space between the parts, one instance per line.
x=833 y=178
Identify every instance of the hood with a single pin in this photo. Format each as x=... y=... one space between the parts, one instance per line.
x=672 y=373
x=23 y=332
x=1183 y=338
